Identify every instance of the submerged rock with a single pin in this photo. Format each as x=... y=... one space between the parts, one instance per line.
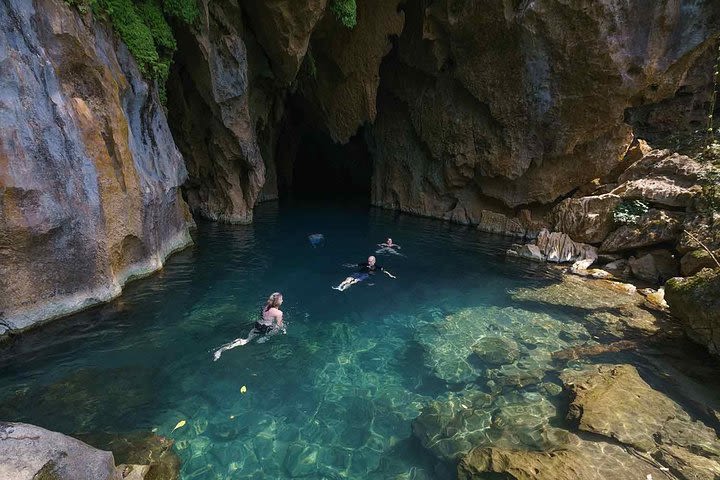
x=574 y=459
x=613 y=401
x=495 y=351
x=614 y=307
x=696 y=301
x=28 y=452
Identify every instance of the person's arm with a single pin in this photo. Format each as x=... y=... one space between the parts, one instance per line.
x=351 y=265
x=279 y=320
x=388 y=273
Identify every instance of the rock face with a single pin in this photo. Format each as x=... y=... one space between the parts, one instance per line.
x=28 y=452
x=655 y=227
x=494 y=106
x=211 y=119
x=695 y=300
x=661 y=177
x=585 y=219
x=89 y=173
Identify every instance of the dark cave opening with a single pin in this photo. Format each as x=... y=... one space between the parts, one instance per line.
x=310 y=165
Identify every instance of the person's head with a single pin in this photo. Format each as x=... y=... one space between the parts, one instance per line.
x=274 y=301
x=371 y=261
x=389 y=241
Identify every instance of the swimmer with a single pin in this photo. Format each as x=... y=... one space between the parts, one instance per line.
x=365 y=270
x=389 y=247
x=271 y=321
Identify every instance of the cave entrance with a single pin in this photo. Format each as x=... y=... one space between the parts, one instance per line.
x=310 y=165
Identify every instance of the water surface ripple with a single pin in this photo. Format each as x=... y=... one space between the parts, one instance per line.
x=336 y=396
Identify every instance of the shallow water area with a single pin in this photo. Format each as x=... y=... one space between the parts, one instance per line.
x=336 y=397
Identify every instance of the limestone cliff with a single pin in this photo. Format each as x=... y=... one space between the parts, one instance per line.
x=89 y=174
x=520 y=103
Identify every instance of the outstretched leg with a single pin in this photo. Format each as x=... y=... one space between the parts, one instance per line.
x=235 y=343
x=344 y=284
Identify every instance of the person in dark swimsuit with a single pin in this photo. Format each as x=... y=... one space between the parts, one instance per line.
x=365 y=269
x=271 y=320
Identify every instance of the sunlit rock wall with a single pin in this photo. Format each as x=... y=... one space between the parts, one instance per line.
x=89 y=173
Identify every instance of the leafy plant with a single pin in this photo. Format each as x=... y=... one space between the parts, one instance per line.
x=630 y=211
x=345 y=11
x=143 y=26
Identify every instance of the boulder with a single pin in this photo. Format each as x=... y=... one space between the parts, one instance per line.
x=655 y=267
x=656 y=226
x=585 y=219
x=559 y=247
x=493 y=222
x=695 y=300
x=694 y=261
x=28 y=452
x=496 y=351
x=700 y=228
x=615 y=402
x=573 y=459
x=661 y=177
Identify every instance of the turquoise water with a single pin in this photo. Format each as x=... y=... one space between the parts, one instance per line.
x=334 y=398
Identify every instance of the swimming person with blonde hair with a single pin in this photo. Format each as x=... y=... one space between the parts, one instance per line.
x=366 y=269
x=271 y=321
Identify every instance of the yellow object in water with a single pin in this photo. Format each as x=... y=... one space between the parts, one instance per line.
x=180 y=424
x=243 y=389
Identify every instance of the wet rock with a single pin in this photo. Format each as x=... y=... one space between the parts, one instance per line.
x=584 y=351
x=654 y=227
x=28 y=452
x=611 y=306
x=91 y=175
x=661 y=177
x=694 y=261
x=142 y=452
x=695 y=300
x=574 y=459
x=613 y=401
x=655 y=267
x=585 y=219
x=496 y=351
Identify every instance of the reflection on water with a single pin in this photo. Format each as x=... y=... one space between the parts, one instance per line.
x=339 y=395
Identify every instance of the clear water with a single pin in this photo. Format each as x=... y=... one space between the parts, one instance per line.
x=336 y=396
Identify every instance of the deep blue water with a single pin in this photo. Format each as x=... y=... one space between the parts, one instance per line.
x=336 y=396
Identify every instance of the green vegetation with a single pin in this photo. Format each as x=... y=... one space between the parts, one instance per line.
x=143 y=26
x=345 y=11
x=630 y=211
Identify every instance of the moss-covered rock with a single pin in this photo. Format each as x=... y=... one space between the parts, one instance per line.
x=696 y=301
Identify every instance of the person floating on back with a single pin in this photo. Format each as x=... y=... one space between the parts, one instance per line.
x=271 y=322
x=365 y=270
x=389 y=247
